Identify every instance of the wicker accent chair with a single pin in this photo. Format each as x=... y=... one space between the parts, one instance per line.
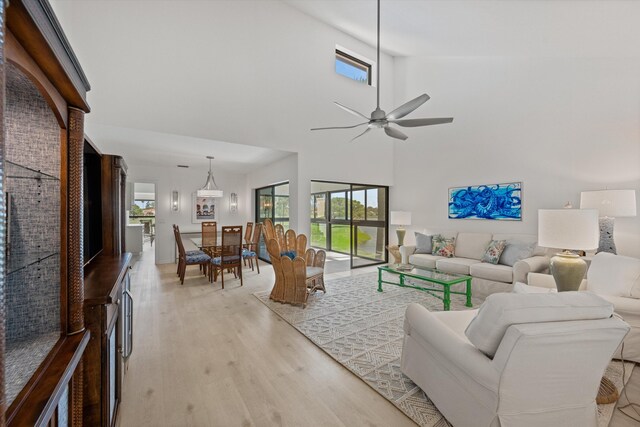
x=230 y=257
x=291 y=276
x=296 y=246
x=250 y=251
x=268 y=229
x=188 y=258
x=296 y=273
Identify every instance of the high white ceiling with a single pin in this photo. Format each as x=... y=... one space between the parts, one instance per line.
x=260 y=72
x=142 y=147
x=487 y=27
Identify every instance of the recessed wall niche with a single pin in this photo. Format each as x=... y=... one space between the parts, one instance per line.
x=32 y=171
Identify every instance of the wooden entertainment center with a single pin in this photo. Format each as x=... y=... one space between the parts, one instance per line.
x=65 y=307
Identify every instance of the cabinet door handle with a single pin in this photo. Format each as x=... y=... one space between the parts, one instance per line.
x=130 y=323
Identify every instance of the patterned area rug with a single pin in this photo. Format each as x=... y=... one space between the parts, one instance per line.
x=362 y=330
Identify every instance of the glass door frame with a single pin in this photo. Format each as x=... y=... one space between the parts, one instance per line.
x=368 y=223
x=260 y=219
x=329 y=221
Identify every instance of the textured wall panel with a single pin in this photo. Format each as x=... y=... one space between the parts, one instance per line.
x=75 y=219
x=32 y=289
x=2 y=220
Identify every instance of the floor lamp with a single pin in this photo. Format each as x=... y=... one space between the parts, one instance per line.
x=568 y=229
x=610 y=204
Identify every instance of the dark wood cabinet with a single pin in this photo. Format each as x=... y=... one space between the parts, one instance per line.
x=114 y=182
x=42 y=106
x=108 y=315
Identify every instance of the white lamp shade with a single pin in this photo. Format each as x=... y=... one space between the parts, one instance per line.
x=400 y=218
x=612 y=203
x=209 y=193
x=575 y=229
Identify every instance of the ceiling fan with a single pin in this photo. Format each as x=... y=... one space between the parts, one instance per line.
x=380 y=119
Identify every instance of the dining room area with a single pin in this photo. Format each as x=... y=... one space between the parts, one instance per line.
x=217 y=251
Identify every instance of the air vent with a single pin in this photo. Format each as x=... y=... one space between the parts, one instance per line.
x=183 y=166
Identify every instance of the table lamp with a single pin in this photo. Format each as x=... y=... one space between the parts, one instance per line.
x=400 y=218
x=610 y=204
x=568 y=229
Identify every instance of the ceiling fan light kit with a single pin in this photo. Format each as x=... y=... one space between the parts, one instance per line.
x=380 y=119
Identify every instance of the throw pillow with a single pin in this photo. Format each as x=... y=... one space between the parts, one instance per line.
x=515 y=251
x=424 y=243
x=494 y=250
x=290 y=254
x=443 y=246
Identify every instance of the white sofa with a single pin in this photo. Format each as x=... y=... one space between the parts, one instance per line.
x=515 y=364
x=616 y=279
x=469 y=249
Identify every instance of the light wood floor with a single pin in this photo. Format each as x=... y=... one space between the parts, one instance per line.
x=207 y=357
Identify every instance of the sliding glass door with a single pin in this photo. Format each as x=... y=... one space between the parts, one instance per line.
x=350 y=219
x=368 y=225
x=272 y=203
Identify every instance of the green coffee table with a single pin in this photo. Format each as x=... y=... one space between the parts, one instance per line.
x=432 y=277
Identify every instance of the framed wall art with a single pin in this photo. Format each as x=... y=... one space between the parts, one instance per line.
x=203 y=209
x=501 y=202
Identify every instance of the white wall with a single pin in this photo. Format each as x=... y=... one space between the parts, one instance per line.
x=559 y=125
x=274 y=173
x=220 y=70
x=187 y=181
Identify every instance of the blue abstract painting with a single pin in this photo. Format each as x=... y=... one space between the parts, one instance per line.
x=494 y=201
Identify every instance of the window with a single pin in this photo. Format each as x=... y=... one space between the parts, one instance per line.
x=354 y=68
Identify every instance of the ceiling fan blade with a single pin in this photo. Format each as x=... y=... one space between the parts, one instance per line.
x=407 y=107
x=394 y=133
x=341 y=127
x=352 y=111
x=410 y=123
x=367 y=130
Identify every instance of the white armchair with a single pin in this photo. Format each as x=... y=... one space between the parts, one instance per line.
x=616 y=279
x=520 y=360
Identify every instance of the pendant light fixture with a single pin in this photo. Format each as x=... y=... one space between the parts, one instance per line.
x=210 y=188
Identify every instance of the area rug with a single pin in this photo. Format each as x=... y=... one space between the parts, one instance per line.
x=362 y=330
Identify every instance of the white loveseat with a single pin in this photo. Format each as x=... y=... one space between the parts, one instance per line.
x=469 y=249
x=511 y=363
x=616 y=279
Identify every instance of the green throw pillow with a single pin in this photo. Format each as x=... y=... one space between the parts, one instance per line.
x=443 y=246
x=494 y=250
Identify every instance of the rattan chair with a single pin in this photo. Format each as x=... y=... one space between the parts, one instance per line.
x=209 y=237
x=289 y=269
x=290 y=285
x=188 y=258
x=268 y=230
x=250 y=252
x=230 y=257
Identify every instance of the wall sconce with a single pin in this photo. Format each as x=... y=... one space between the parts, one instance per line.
x=233 y=202
x=175 y=201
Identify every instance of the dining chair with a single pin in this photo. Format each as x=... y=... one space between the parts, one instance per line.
x=247 y=233
x=247 y=238
x=209 y=237
x=230 y=256
x=250 y=252
x=189 y=258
